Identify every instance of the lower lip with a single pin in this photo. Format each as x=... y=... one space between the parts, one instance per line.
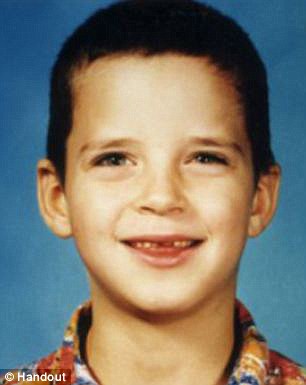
x=164 y=257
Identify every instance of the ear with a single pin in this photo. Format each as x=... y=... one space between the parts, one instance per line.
x=52 y=200
x=264 y=201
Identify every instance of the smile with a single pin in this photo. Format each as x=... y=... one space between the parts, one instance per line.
x=163 y=251
x=155 y=245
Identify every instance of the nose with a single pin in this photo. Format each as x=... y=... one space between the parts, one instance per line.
x=162 y=194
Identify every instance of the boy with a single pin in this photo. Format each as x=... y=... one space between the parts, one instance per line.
x=159 y=166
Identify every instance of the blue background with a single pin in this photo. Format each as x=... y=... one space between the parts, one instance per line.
x=42 y=278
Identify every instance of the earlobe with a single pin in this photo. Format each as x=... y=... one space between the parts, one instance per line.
x=52 y=200
x=264 y=201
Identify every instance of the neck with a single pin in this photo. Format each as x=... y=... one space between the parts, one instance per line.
x=130 y=349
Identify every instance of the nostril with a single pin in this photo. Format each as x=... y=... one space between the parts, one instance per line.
x=161 y=209
x=161 y=193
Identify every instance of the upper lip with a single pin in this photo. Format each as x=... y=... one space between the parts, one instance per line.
x=161 y=238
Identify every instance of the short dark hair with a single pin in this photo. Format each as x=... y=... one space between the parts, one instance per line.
x=154 y=27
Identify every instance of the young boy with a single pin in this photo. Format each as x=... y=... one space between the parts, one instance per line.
x=159 y=166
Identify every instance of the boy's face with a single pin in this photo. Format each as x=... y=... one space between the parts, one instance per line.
x=159 y=192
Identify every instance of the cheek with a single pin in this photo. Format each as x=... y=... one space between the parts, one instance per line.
x=225 y=209
x=95 y=209
x=225 y=218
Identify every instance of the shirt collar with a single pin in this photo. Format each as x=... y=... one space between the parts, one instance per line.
x=252 y=363
x=251 y=367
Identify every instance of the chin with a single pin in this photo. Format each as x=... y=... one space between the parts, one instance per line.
x=161 y=312
x=179 y=302
x=164 y=306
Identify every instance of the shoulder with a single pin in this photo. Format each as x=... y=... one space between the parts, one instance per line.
x=290 y=372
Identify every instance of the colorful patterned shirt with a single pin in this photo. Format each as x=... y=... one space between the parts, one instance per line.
x=256 y=363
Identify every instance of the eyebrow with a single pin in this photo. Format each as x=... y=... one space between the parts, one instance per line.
x=123 y=142
x=105 y=144
x=218 y=142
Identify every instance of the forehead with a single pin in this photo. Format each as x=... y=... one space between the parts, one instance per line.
x=168 y=71
x=169 y=91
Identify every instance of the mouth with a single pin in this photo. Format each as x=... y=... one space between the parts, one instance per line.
x=163 y=251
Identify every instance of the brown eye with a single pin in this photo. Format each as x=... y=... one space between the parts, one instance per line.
x=113 y=159
x=207 y=158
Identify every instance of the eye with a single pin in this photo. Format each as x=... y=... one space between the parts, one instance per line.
x=112 y=159
x=209 y=158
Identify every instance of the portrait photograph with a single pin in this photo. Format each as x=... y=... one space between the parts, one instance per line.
x=153 y=176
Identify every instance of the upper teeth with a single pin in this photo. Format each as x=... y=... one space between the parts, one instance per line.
x=147 y=244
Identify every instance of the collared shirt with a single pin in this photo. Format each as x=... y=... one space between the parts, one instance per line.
x=256 y=363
